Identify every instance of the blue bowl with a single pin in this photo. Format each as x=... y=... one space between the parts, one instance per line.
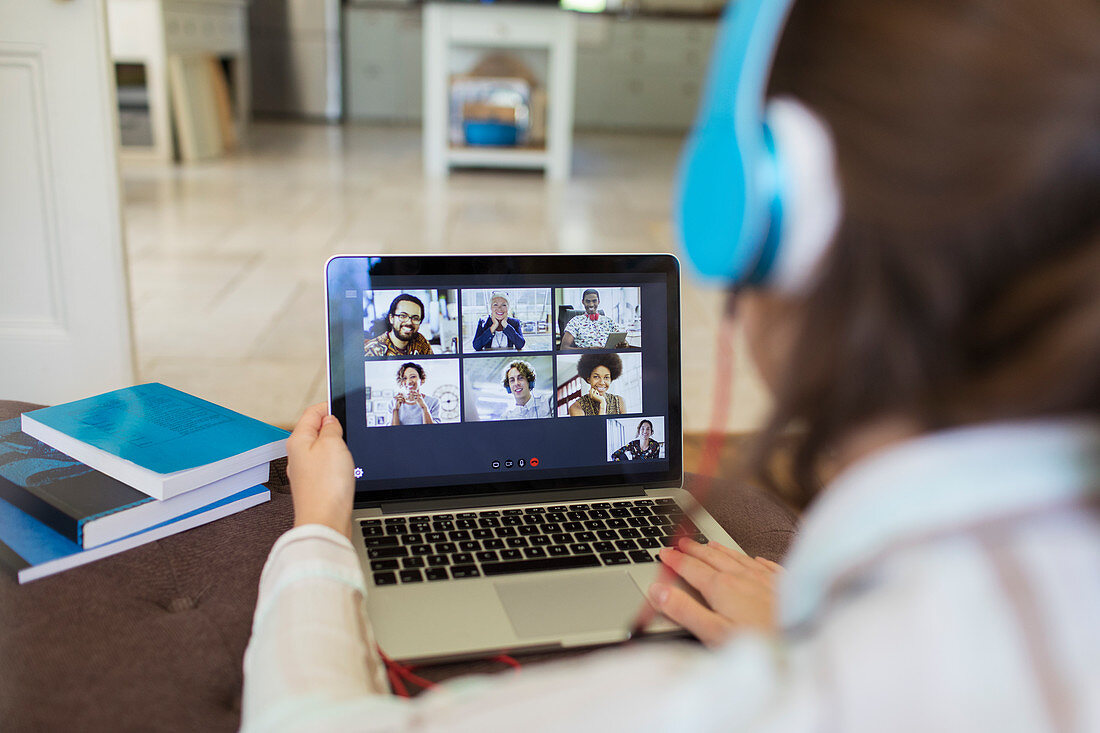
x=490 y=133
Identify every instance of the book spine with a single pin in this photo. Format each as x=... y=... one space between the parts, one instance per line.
x=39 y=508
x=11 y=561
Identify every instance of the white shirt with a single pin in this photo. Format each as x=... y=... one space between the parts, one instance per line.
x=589 y=334
x=536 y=407
x=950 y=583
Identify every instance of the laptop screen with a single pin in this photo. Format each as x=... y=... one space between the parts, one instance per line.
x=458 y=375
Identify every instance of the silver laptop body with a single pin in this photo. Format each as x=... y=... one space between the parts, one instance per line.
x=552 y=544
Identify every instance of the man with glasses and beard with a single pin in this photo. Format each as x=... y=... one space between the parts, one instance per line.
x=403 y=338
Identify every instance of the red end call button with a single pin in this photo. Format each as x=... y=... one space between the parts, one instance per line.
x=533 y=462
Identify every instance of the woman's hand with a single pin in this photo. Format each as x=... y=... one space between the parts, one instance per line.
x=601 y=401
x=739 y=590
x=321 y=471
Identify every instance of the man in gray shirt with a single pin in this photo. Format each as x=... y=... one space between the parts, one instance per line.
x=411 y=406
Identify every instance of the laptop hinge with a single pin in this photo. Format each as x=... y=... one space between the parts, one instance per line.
x=488 y=500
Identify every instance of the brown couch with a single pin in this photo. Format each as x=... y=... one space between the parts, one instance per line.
x=153 y=638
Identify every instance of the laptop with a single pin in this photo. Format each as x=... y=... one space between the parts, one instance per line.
x=508 y=499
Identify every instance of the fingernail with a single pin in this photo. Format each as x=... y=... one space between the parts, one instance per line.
x=328 y=420
x=658 y=592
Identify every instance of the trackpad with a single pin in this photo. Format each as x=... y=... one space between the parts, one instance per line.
x=561 y=606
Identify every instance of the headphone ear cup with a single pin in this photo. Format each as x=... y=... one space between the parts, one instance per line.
x=811 y=197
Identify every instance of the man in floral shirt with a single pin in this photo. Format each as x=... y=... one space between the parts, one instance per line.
x=590 y=331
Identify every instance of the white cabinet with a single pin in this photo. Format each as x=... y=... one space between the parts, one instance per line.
x=631 y=72
x=641 y=73
x=382 y=64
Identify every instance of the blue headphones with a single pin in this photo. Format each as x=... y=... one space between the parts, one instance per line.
x=737 y=188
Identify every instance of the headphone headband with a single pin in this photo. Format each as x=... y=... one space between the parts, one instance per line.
x=730 y=205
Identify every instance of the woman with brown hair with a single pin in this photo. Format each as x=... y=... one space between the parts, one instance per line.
x=940 y=366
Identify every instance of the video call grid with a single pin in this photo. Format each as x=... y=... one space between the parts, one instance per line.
x=462 y=355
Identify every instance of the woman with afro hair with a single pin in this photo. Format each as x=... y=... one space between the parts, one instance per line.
x=599 y=371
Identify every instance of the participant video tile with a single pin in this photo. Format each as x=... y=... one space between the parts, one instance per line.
x=599 y=383
x=635 y=438
x=413 y=392
x=498 y=319
x=402 y=323
x=598 y=318
x=508 y=387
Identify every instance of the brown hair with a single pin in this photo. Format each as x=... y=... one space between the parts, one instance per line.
x=964 y=281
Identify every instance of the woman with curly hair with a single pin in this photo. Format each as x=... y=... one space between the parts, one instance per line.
x=599 y=370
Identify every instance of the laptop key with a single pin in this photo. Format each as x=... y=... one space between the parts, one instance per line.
x=595 y=524
x=539 y=564
x=380 y=541
x=601 y=505
x=575 y=516
x=649 y=543
x=436 y=574
x=644 y=502
x=482 y=534
x=562 y=538
x=489 y=513
x=506 y=532
x=443 y=526
x=486 y=556
x=436 y=561
x=585 y=536
x=641 y=511
x=652 y=532
x=412 y=562
x=396 y=520
x=488 y=522
x=510 y=554
x=555 y=516
x=385 y=579
x=370 y=522
x=531 y=529
x=372 y=531
x=412 y=539
x=421 y=549
x=607 y=534
x=466 y=523
x=445 y=548
x=436 y=536
x=557 y=550
x=551 y=527
x=420 y=526
x=581 y=548
x=572 y=527
x=640 y=556
x=630 y=532
x=397 y=528
x=614 y=558
x=383 y=564
x=466 y=515
x=666 y=500
x=625 y=545
x=512 y=512
x=598 y=513
x=621 y=504
x=579 y=507
x=442 y=517
x=517 y=541
x=458 y=535
x=539 y=540
x=534 y=552
x=616 y=523
x=469 y=546
x=620 y=512
x=378 y=553
x=535 y=510
x=638 y=522
x=534 y=518
x=411 y=576
x=493 y=544
x=461 y=558
x=510 y=521
x=465 y=571
x=603 y=547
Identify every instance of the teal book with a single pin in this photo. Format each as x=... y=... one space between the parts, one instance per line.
x=86 y=506
x=30 y=549
x=157 y=439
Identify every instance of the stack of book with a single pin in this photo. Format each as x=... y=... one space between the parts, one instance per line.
x=92 y=478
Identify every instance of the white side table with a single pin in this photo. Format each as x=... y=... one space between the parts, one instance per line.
x=447 y=25
x=149 y=31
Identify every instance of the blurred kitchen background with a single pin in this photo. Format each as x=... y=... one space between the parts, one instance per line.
x=258 y=138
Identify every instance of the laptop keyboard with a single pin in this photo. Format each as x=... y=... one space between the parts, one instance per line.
x=472 y=544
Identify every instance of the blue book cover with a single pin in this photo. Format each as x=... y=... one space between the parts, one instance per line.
x=54 y=488
x=158 y=428
x=26 y=543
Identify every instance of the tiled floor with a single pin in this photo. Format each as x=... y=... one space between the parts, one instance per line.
x=226 y=256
